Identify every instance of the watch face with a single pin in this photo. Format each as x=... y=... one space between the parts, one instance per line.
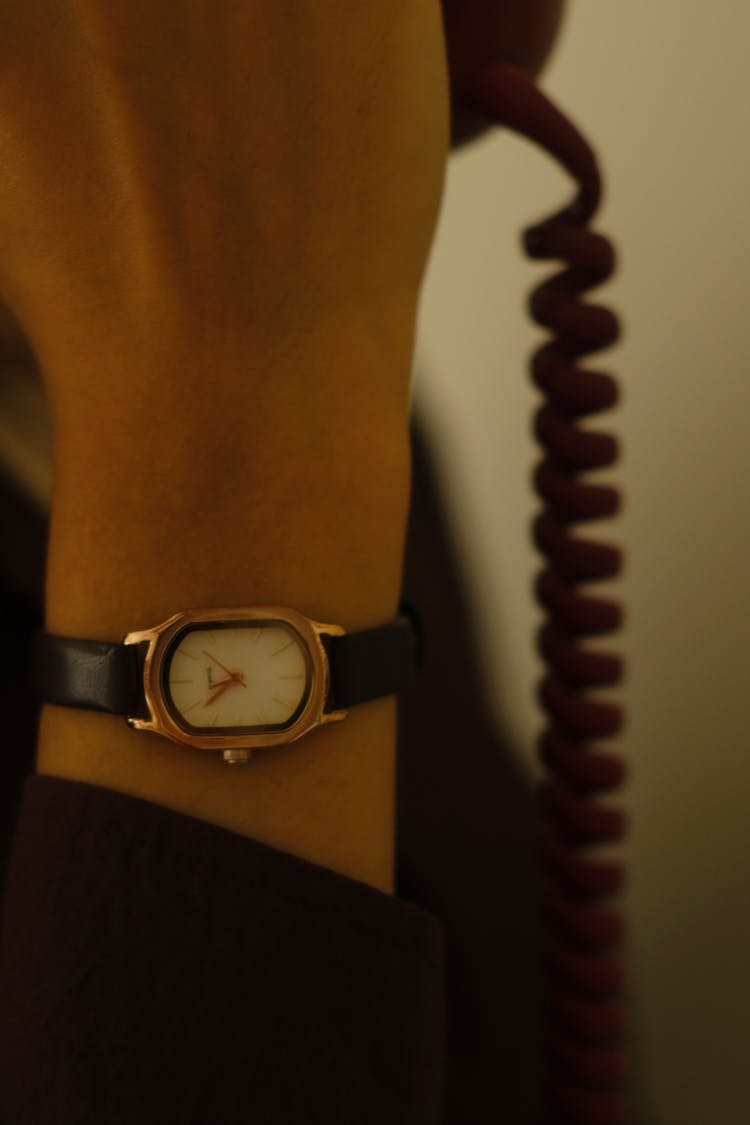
x=237 y=678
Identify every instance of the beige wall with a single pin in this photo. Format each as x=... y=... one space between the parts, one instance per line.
x=663 y=91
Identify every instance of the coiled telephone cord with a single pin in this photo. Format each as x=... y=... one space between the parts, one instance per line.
x=582 y=927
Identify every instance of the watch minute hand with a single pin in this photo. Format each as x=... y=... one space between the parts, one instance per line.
x=222 y=666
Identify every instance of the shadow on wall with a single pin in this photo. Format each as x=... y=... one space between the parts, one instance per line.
x=465 y=837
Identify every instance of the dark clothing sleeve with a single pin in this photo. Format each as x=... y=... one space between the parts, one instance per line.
x=155 y=968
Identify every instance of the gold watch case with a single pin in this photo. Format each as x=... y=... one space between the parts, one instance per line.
x=236 y=749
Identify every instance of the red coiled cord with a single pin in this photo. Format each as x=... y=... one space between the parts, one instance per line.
x=582 y=928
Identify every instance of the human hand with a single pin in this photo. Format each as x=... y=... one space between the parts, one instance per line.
x=192 y=169
x=480 y=32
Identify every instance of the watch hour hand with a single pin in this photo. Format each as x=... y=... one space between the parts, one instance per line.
x=219 y=690
x=222 y=685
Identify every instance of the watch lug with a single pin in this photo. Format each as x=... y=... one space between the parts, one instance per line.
x=140 y=636
x=331 y=630
x=332 y=717
x=140 y=724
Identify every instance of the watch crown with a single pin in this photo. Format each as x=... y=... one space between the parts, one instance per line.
x=237 y=757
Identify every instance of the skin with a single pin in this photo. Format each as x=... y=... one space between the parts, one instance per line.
x=476 y=33
x=214 y=237
x=224 y=317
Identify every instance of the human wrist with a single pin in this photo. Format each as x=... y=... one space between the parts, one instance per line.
x=330 y=544
x=228 y=472
x=147 y=521
x=329 y=798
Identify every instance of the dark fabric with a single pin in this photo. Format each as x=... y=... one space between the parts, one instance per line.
x=371 y=663
x=97 y=675
x=157 y=969
x=23 y=540
x=18 y=619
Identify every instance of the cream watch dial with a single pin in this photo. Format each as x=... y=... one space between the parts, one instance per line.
x=237 y=678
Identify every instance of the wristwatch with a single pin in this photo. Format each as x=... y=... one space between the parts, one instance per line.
x=231 y=680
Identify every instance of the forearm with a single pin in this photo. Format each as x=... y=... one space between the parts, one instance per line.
x=251 y=485
x=214 y=236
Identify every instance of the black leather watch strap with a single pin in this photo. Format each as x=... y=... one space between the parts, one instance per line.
x=102 y=676
x=371 y=663
x=94 y=675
